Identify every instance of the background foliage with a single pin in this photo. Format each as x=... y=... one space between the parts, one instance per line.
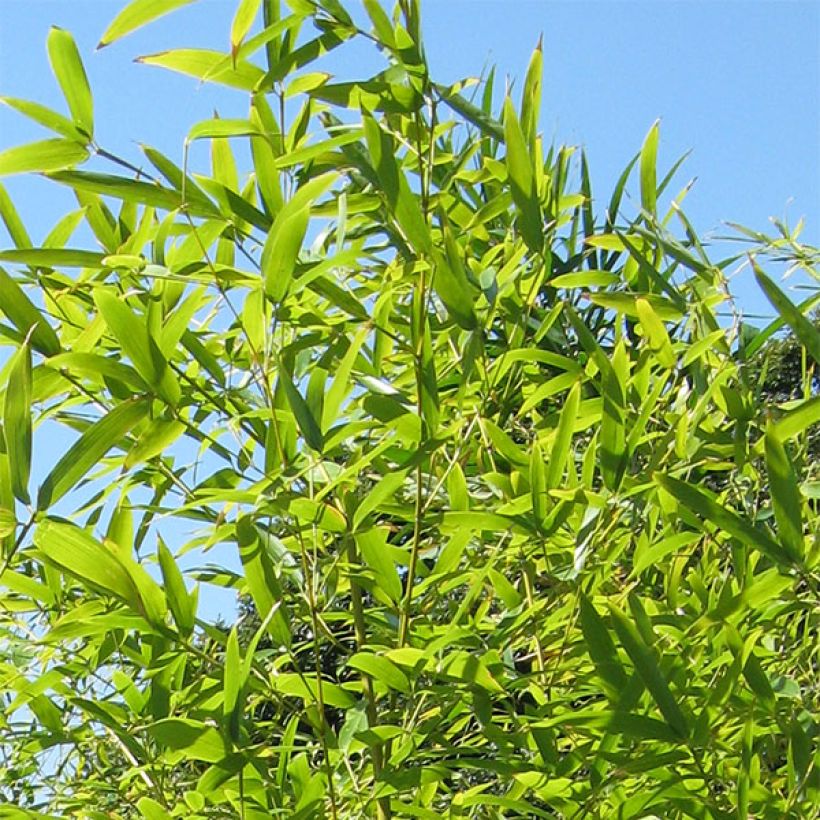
x=522 y=527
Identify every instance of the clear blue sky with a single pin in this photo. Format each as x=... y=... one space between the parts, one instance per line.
x=737 y=82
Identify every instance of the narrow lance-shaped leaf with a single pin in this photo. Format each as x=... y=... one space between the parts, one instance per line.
x=649 y=158
x=785 y=493
x=137 y=14
x=70 y=73
x=42 y=157
x=182 y=605
x=26 y=317
x=531 y=95
x=138 y=345
x=602 y=649
x=285 y=238
x=45 y=117
x=308 y=426
x=243 y=20
x=538 y=484
x=522 y=180
x=89 y=449
x=17 y=422
x=231 y=685
x=561 y=449
x=647 y=667
x=401 y=200
x=802 y=327
x=78 y=553
x=702 y=505
x=655 y=333
x=53 y=258
x=206 y=65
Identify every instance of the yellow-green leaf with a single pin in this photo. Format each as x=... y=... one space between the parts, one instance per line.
x=89 y=449
x=42 y=157
x=17 y=422
x=137 y=14
x=70 y=73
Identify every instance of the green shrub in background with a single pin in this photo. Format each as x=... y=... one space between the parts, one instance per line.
x=520 y=527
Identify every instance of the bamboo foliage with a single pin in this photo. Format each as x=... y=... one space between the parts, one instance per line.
x=514 y=532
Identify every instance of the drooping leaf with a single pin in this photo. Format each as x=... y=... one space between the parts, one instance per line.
x=704 y=506
x=26 y=317
x=808 y=335
x=17 y=422
x=785 y=494
x=647 y=667
x=89 y=449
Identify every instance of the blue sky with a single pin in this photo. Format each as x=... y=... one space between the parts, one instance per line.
x=736 y=82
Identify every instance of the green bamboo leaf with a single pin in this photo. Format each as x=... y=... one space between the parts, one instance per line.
x=243 y=19
x=538 y=484
x=531 y=95
x=286 y=235
x=311 y=432
x=381 y=669
x=472 y=113
x=150 y=809
x=401 y=201
x=707 y=508
x=450 y=282
x=17 y=422
x=281 y=251
x=310 y=152
x=522 y=180
x=785 y=493
x=92 y=366
x=156 y=438
x=231 y=685
x=26 y=317
x=70 y=73
x=602 y=650
x=53 y=258
x=261 y=580
x=802 y=327
x=180 y=602
x=197 y=740
x=136 y=14
x=561 y=449
x=42 y=157
x=649 y=159
x=89 y=449
x=136 y=342
x=383 y=490
x=375 y=551
x=11 y=219
x=222 y=129
x=585 y=279
x=381 y=22
x=133 y=191
x=208 y=66
x=656 y=334
x=341 y=384
x=798 y=419
x=78 y=553
x=647 y=667
x=45 y=117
